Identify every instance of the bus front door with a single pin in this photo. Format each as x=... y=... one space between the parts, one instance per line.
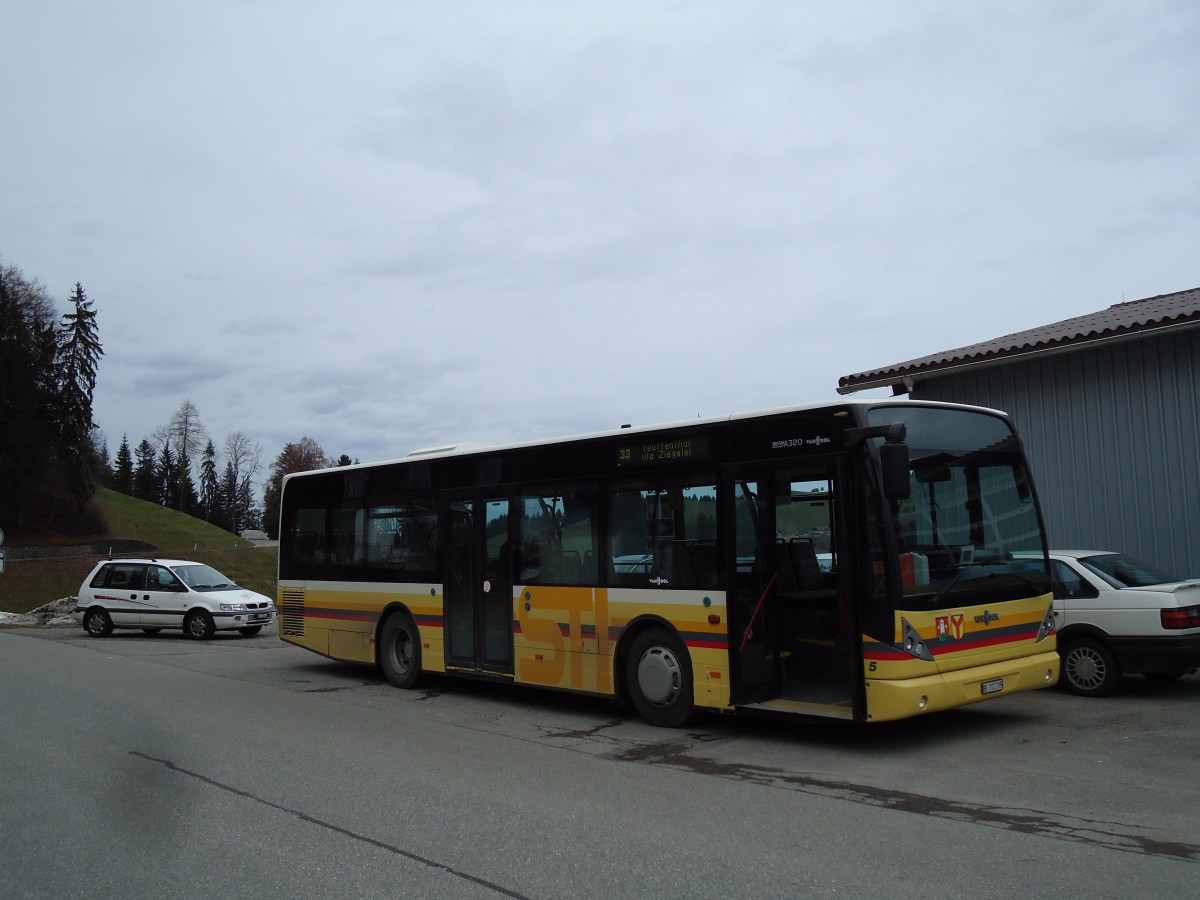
x=478 y=584
x=792 y=640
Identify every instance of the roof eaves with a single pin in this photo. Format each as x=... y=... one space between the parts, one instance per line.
x=1117 y=323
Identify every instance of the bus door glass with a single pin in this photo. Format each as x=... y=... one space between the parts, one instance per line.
x=752 y=612
x=478 y=583
x=813 y=626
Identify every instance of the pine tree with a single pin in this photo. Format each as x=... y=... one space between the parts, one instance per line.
x=144 y=479
x=28 y=402
x=185 y=500
x=228 y=499
x=166 y=476
x=101 y=467
x=77 y=362
x=123 y=475
x=208 y=482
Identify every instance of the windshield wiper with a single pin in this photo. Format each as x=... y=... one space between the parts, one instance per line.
x=936 y=599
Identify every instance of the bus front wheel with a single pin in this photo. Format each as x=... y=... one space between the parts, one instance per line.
x=659 y=675
x=400 y=650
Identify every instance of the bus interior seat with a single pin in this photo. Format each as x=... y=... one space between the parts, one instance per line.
x=701 y=561
x=811 y=607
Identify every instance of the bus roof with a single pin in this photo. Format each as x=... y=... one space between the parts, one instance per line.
x=463 y=448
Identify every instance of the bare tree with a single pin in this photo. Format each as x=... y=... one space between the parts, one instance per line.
x=186 y=438
x=242 y=462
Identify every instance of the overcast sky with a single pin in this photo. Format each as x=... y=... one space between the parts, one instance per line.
x=386 y=225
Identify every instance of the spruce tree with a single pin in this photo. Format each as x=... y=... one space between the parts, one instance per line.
x=28 y=402
x=123 y=475
x=208 y=482
x=76 y=364
x=166 y=477
x=144 y=480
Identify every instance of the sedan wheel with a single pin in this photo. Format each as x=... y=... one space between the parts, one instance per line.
x=1090 y=669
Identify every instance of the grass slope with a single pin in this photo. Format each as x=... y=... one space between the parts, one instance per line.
x=28 y=584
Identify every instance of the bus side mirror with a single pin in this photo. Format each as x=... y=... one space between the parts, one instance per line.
x=893 y=462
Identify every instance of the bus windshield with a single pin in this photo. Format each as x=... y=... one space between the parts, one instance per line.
x=970 y=510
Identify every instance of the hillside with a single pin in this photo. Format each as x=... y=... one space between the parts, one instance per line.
x=27 y=584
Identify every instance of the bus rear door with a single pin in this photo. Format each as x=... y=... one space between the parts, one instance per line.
x=478 y=583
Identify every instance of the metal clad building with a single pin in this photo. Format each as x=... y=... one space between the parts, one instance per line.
x=1108 y=407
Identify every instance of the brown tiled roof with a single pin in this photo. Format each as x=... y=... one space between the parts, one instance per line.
x=1181 y=309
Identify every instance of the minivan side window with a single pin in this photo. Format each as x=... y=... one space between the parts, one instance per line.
x=121 y=576
x=160 y=578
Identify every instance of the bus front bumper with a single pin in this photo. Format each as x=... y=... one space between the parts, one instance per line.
x=899 y=699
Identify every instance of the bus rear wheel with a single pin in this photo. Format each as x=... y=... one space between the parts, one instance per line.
x=659 y=675
x=400 y=650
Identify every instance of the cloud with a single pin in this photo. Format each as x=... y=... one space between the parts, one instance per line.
x=386 y=227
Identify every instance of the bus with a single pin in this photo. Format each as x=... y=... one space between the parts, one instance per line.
x=866 y=561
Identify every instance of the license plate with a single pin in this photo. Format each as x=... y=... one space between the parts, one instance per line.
x=258 y=616
x=990 y=687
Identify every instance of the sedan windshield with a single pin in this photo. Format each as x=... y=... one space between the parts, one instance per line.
x=203 y=578
x=1123 y=571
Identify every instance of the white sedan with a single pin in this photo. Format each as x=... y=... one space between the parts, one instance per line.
x=1117 y=615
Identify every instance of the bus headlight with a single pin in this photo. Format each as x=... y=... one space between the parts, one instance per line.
x=914 y=644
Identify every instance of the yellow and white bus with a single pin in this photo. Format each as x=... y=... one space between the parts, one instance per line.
x=857 y=560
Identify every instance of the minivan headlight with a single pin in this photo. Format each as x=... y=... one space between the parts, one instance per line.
x=233 y=607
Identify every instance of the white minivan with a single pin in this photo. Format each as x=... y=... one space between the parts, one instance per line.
x=153 y=594
x=1116 y=615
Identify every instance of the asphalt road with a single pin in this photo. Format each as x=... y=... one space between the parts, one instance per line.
x=138 y=766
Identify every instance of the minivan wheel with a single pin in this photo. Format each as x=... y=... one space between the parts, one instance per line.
x=97 y=623
x=199 y=625
x=1089 y=668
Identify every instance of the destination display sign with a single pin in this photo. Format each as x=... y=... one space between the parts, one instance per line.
x=668 y=450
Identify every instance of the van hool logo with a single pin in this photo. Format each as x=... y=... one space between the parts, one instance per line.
x=987 y=618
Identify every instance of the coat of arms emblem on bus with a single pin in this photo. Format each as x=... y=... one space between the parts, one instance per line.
x=950 y=627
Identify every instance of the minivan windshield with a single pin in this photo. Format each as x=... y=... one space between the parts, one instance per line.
x=200 y=577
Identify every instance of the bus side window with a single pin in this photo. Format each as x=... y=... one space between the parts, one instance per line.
x=664 y=533
x=557 y=535
x=402 y=540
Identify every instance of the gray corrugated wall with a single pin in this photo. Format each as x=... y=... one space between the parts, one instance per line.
x=1113 y=434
